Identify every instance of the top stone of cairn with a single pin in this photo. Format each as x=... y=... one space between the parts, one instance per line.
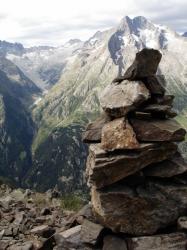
x=145 y=64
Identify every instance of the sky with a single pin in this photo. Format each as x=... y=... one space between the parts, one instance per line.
x=53 y=22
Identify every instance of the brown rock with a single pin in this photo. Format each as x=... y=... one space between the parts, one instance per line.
x=163 y=100
x=159 y=111
x=142 y=210
x=118 y=100
x=43 y=230
x=118 y=134
x=182 y=223
x=93 y=130
x=168 y=168
x=145 y=64
x=174 y=241
x=90 y=232
x=158 y=130
x=104 y=169
x=112 y=242
x=155 y=84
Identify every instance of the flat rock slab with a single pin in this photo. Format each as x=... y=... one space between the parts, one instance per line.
x=106 y=168
x=43 y=230
x=158 y=130
x=93 y=130
x=173 y=166
x=159 y=110
x=142 y=210
x=174 y=241
x=118 y=134
x=145 y=64
x=118 y=100
x=90 y=232
x=112 y=242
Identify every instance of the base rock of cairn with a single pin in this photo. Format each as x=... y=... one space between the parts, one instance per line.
x=138 y=179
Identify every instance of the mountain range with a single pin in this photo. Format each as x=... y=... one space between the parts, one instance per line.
x=54 y=91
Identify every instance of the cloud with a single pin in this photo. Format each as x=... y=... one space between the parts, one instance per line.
x=54 y=22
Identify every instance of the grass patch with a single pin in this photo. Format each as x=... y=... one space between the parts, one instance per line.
x=72 y=202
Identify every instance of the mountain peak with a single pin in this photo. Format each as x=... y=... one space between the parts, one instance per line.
x=134 y=24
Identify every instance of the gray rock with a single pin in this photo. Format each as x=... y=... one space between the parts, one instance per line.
x=112 y=242
x=90 y=232
x=141 y=210
x=104 y=169
x=43 y=231
x=118 y=100
x=68 y=239
x=174 y=241
x=19 y=217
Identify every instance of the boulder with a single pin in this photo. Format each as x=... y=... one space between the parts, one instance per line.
x=93 y=130
x=145 y=64
x=112 y=242
x=118 y=100
x=118 y=134
x=68 y=239
x=141 y=210
x=106 y=168
x=90 y=232
x=158 y=130
x=155 y=84
x=173 y=241
x=173 y=166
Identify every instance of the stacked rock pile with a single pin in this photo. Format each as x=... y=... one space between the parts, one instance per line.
x=136 y=174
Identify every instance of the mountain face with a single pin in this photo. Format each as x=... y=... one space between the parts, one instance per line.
x=185 y=34
x=16 y=130
x=76 y=73
x=17 y=93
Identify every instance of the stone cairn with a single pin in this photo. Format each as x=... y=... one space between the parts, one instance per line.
x=136 y=174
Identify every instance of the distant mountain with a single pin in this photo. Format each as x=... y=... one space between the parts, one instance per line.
x=185 y=34
x=43 y=64
x=22 y=87
x=62 y=113
x=13 y=48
